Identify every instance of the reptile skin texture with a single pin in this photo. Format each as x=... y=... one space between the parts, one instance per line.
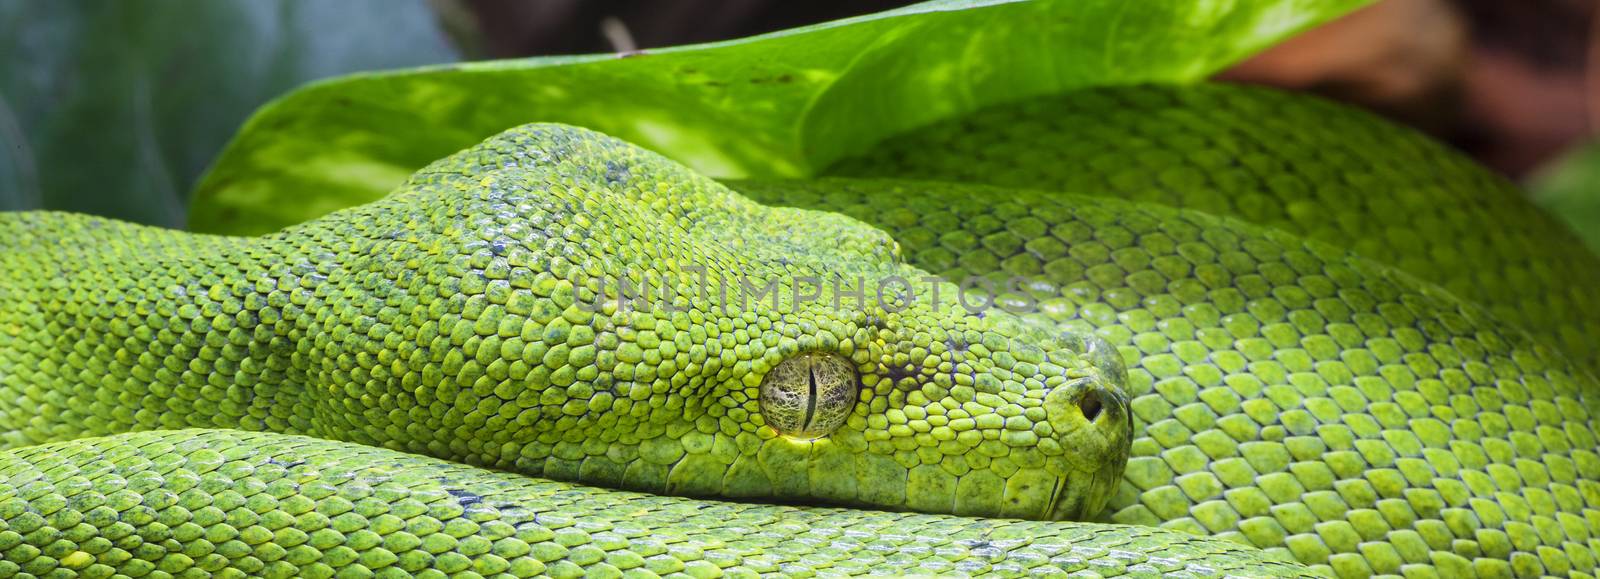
x=1286 y=393
x=204 y=503
x=1313 y=168
x=464 y=317
x=1236 y=333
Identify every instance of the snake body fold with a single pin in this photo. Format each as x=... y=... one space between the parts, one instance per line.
x=228 y=503
x=1286 y=394
x=1272 y=352
x=1309 y=167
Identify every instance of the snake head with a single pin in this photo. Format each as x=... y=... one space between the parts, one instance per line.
x=762 y=352
x=1005 y=429
x=956 y=414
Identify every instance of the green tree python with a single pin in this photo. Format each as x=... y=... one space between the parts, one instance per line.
x=437 y=384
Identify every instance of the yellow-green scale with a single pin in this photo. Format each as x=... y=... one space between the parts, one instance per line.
x=1287 y=394
x=1310 y=167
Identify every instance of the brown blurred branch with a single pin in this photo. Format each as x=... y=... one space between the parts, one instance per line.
x=1594 y=73
x=1513 y=83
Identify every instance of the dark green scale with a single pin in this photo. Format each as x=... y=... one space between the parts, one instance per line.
x=1286 y=393
x=1310 y=167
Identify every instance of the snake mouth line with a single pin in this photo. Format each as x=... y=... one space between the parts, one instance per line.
x=1052 y=508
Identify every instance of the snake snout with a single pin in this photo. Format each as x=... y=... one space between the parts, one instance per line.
x=1091 y=420
x=1093 y=396
x=1090 y=413
x=1098 y=406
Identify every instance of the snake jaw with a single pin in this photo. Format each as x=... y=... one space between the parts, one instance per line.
x=1057 y=509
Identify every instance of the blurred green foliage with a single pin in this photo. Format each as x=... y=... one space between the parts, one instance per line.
x=1570 y=188
x=782 y=104
x=116 y=107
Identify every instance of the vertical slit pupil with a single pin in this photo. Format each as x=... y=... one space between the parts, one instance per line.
x=811 y=395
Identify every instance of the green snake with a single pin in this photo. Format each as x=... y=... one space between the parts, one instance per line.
x=1232 y=325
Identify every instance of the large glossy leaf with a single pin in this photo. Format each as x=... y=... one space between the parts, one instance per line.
x=781 y=104
x=1570 y=189
x=116 y=108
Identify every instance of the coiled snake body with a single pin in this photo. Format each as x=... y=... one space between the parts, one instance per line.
x=375 y=392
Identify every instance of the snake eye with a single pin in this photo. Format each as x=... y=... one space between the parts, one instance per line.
x=809 y=395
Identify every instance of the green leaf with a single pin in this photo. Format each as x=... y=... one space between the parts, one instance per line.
x=1570 y=188
x=777 y=105
x=116 y=108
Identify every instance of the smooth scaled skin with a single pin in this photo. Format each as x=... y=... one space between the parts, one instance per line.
x=1310 y=167
x=224 y=503
x=456 y=318
x=1286 y=393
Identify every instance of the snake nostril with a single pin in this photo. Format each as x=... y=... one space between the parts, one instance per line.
x=1090 y=405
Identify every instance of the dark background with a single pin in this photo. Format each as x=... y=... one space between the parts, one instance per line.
x=116 y=107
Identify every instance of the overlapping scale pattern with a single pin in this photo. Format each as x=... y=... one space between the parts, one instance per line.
x=1287 y=394
x=219 y=503
x=1292 y=386
x=464 y=318
x=1294 y=162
